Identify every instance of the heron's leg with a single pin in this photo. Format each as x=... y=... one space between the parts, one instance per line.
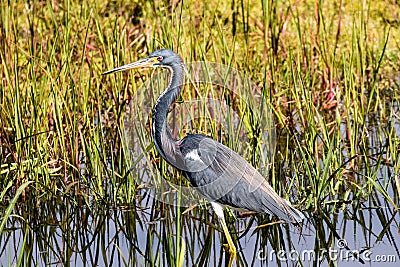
x=219 y=210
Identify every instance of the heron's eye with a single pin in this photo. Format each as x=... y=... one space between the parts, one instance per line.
x=160 y=58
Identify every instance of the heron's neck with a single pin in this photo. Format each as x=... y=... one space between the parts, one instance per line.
x=163 y=140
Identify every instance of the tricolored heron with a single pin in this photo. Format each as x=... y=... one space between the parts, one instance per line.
x=216 y=171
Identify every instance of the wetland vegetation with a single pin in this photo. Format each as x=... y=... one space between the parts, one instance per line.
x=75 y=192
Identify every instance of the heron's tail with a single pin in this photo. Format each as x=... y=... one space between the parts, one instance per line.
x=291 y=214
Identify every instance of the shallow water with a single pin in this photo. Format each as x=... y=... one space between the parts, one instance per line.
x=136 y=237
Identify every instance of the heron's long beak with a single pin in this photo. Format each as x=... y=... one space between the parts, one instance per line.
x=143 y=63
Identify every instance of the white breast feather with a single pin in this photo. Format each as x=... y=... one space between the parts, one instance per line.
x=193 y=155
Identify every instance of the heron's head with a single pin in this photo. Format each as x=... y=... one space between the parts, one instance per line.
x=160 y=58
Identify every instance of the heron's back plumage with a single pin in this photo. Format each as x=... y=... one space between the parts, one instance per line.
x=225 y=177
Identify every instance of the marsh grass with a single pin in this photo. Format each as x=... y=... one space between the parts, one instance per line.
x=70 y=189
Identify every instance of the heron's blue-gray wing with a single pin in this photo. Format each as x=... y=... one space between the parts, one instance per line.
x=223 y=176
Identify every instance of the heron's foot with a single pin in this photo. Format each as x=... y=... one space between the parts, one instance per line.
x=232 y=255
x=230 y=249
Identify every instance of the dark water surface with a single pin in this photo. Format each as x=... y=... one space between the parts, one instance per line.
x=63 y=235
